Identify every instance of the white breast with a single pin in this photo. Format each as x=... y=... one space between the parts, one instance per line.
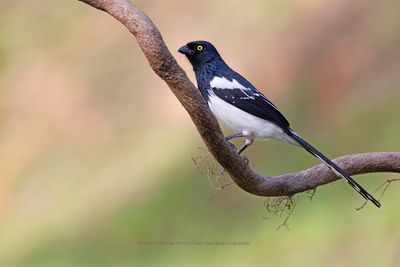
x=240 y=121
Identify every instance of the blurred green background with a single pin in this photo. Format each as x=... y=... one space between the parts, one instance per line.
x=96 y=152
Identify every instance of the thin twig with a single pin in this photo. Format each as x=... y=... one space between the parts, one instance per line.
x=385 y=186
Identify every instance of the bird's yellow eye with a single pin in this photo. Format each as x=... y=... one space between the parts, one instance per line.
x=199 y=47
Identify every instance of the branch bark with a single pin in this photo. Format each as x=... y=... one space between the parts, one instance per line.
x=166 y=67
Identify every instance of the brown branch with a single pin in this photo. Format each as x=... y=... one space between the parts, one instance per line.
x=166 y=67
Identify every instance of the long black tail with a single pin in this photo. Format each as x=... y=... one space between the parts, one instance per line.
x=338 y=171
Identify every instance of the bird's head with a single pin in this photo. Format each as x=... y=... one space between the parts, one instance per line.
x=199 y=52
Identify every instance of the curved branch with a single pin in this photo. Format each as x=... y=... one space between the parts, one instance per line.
x=166 y=67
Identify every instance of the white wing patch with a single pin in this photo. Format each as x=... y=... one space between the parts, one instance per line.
x=224 y=83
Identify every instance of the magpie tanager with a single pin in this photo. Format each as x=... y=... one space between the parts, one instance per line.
x=245 y=110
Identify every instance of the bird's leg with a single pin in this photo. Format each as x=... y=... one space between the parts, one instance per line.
x=233 y=136
x=246 y=145
x=230 y=137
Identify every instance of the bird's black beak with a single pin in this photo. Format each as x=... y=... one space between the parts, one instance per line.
x=186 y=50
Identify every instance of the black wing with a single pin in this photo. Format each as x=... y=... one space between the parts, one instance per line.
x=253 y=102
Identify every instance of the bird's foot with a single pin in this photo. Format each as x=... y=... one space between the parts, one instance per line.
x=232 y=146
x=246 y=159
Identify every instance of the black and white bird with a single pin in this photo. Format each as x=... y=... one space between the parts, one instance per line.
x=245 y=110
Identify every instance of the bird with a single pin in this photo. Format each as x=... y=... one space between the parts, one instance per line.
x=246 y=111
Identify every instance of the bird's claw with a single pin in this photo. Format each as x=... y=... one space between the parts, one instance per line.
x=246 y=159
x=232 y=146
